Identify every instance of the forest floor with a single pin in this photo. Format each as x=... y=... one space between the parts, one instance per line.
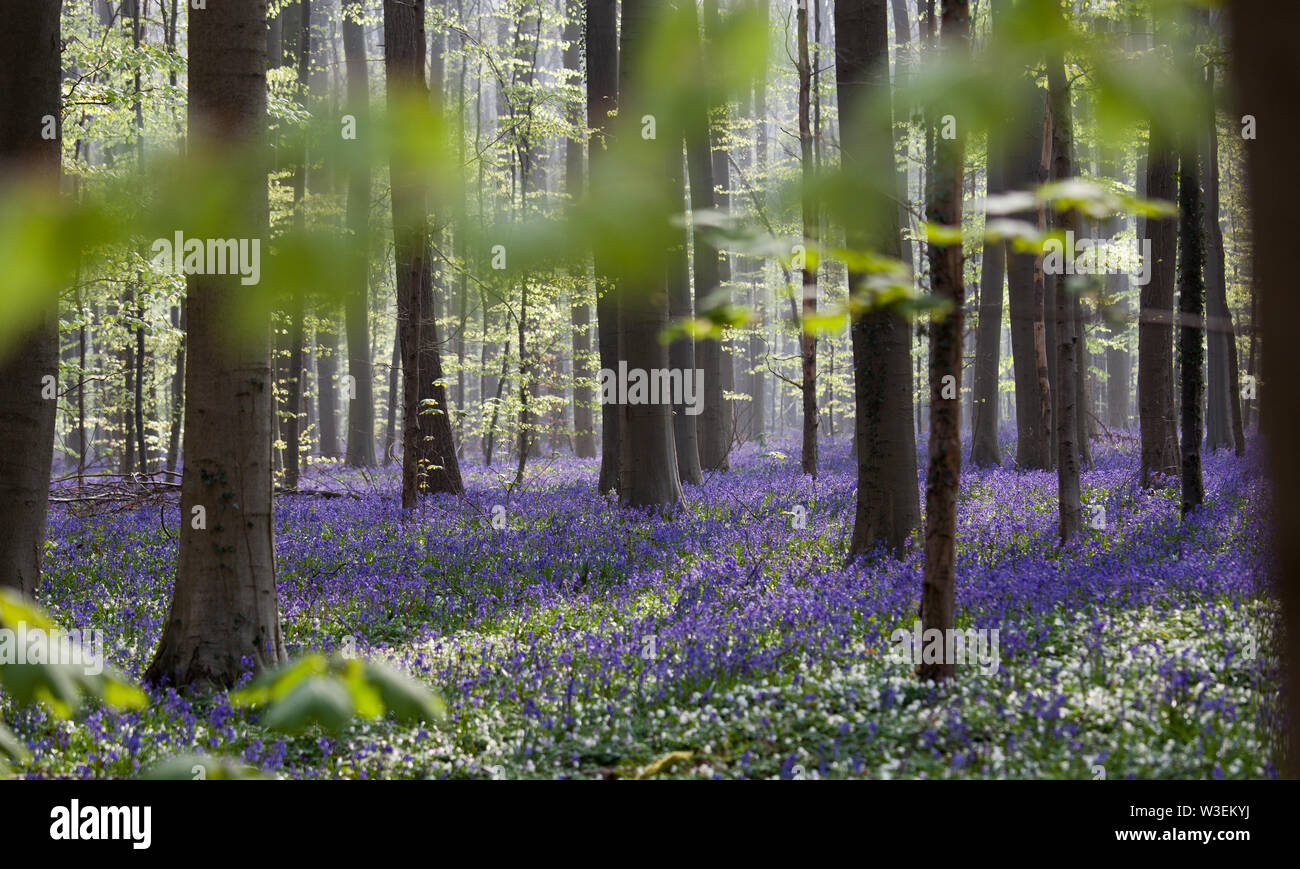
x=584 y=640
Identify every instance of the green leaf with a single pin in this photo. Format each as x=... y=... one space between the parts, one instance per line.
x=408 y=701
x=14 y=609
x=663 y=764
x=11 y=746
x=276 y=683
x=200 y=767
x=315 y=701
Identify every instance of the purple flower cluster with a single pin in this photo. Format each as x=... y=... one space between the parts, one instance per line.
x=579 y=614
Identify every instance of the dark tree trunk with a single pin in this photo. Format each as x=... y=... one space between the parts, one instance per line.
x=29 y=92
x=807 y=337
x=1067 y=325
x=888 y=503
x=1156 y=322
x=984 y=450
x=356 y=305
x=1223 y=411
x=294 y=392
x=327 y=354
x=1025 y=291
x=943 y=478
x=394 y=399
x=648 y=475
x=225 y=608
x=584 y=431
x=1263 y=46
x=429 y=461
x=711 y=23
x=713 y=426
x=1191 y=328
x=681 y=352
x=602 y=102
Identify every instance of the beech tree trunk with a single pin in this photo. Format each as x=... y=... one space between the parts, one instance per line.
x=1067 y=325
x=807 y=337
x=888 y=506
x=681 y=352
x=1025 y=291
x=429 y=462
x=1267 y=77
x=584 y=430
x=1156 y=320
x=1191 y=329
x=225 y=607
x=29 y=92
x=356 y=306
x=984 y=450
x=943 y=478
x=713 y=426
x=648 y=476
x=602 y=104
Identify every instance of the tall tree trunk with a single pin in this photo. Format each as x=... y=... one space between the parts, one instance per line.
x=1116 y=316
x=1223 y=411
x=395 y=397
x=1156 y=323
x=719 y=155
x=681 y=352
x=943 y=479
x=297 y=306
x=713 y=425
x=1156 y=421
x=648 y=476
x=356 y=305
x=584 y=431
x=888 y=505
x=1267 y=77
x=1191 y=328
x=225 y=608
x=29 y=92
x=984 y=450
x=1025 y=293
x=602 y=104
x=178 y=387
x=1067 y=326
x=807 y=337
x=428 y=452
x=327 y=355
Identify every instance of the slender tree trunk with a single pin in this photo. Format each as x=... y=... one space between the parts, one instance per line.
x=943 y=479
x=178 y=387
x=225 y=609
x=711 y=24
x=713 y=426
x=1191 y=329
x=984 y=451
x=1223 y=411
x=602 y=103
x=681 y=352
x=356 y=305
x=807 y=337
x=584 y=429
x=394 y=399
x=428 y=452
x=1156 y=323
x=29 y=365
x=1067 y=326
x=1025 y=295
x=297 y=307
x=888 y=505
